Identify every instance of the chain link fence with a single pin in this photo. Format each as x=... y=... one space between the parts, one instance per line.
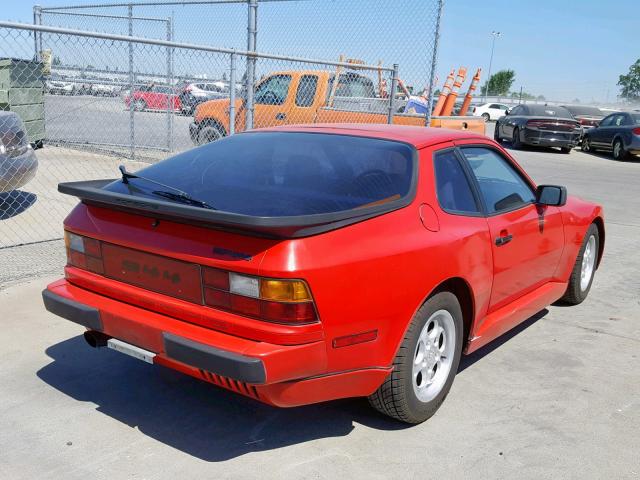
x=101 y=87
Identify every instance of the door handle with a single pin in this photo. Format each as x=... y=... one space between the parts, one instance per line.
x=503 y=239
x=281 y=116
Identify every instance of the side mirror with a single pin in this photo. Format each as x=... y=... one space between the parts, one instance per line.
x=552 y=195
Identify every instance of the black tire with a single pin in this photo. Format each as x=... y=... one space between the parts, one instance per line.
x=575 y=294
x=585 y=145
x=486 y=117
x=566 y=149
x=396 y=397
x=210 y=133
x=618 y=152
x=516 y=143
x=496 y=133
x=139 y=105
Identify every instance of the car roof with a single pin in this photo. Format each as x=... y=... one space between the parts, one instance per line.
x=419 y=137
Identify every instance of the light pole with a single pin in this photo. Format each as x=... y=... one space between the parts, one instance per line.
x=495 y=35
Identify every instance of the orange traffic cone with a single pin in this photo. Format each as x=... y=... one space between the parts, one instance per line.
x=469 y=95
x=444 y=93
x=451 y=98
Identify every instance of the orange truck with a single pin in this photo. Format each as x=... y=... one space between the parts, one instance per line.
x=308 y=96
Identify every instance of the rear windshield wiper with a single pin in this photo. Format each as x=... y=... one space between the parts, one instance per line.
x=184 y=199
x=178 y=196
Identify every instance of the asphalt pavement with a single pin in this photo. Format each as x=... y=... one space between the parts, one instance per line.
x=106 y=121
x=558 y=397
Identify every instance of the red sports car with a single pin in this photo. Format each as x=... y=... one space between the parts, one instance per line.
x=308 y=263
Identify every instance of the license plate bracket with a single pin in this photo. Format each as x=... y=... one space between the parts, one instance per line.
x=131 y=350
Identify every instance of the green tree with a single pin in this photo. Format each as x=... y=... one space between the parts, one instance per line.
x=630 y=83
x=499 y=83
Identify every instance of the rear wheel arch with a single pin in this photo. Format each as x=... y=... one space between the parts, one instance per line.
x=599 y=223
x=463 y=292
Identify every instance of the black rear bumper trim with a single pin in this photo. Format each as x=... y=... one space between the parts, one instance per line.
x=76 y=312
x=221 y=362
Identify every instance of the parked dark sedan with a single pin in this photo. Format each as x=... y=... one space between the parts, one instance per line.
x=619 y=133
x=539 y=125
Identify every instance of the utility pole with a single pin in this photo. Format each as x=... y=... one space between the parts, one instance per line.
x=495 y=35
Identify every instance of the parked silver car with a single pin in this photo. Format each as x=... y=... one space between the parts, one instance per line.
x=18 y=162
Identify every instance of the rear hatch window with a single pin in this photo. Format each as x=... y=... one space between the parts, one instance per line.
x=278 y=174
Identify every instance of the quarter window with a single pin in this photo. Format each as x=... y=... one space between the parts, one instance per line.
x=452 y=184
x=306 y=90
x=501 y=186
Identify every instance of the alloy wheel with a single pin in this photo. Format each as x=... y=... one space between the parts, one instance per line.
x=588 y=263
x=433 y=355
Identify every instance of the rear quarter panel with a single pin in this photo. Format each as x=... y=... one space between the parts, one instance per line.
x=376 y=274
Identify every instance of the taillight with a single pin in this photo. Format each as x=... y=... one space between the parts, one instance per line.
x=273 y=300
x=84 y=252
x=636 y=131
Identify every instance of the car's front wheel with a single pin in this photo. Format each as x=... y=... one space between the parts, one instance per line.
x=210 y=133
x=140 y=105
x=586 y=144
x=566 y=149
x=426 y=363
x=584 y=269
x=486 y=116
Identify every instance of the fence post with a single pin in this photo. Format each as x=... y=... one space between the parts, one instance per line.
x=232 y=94
x=392 y=93
x=132 y=131
x=37 y=36
x=170 y=98
x=434 y=60
x=252 y=32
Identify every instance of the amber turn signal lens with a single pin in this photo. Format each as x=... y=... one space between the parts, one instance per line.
x=284 y=290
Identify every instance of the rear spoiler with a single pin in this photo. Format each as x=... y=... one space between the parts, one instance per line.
x=92 y=193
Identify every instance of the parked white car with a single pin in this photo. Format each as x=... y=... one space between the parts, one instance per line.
x=490 y=111
x=58 y=87
x=104 y=90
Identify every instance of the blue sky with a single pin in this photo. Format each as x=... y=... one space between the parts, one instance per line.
x=563 y=49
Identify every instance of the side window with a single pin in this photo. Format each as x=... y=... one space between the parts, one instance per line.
x=306 y=92
x=607 y=121
x=517 y=110
x=273 y=91
x=452 y=185
x=494 y=106
x=501 y=186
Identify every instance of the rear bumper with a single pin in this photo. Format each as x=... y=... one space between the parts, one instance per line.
x=281 y=375
x=634 y=145
x=545 y=138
